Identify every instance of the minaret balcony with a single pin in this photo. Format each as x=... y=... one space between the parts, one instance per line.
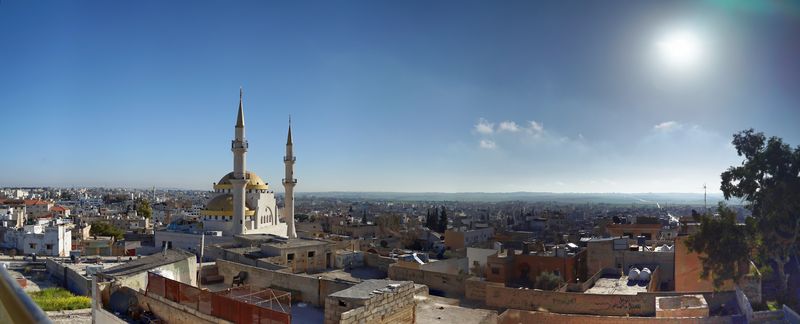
x=237 y=144
x=290 y=181
x=289 y=159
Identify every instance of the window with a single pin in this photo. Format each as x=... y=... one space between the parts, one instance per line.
x=290 y=257
x=495 y=271
x=48 y=246
x=310 y=254
x=33 y=245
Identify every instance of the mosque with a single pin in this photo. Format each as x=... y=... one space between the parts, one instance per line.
x=242 y=203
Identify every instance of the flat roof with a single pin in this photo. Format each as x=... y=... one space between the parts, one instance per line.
x=365 y=289
x=146 y=263
x=616 y=286
x=290 y=243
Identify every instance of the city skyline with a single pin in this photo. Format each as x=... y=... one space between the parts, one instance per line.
x=390 y=97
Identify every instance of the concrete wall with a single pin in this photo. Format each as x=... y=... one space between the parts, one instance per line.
x=75 y=282
x=308 y=289
x=103 y=316
x=171 y=312
x=570 y=303
x=475 y=288
x=451 y=285
x=184 y=271
x=376 y=261
x=515 y=316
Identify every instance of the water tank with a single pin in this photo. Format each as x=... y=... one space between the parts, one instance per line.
x=645 y=274
x=633 y=274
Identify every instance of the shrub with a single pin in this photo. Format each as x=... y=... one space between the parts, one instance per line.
x=55 y=299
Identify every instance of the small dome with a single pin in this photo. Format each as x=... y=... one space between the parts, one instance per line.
x=222 y=205
x=254 y=181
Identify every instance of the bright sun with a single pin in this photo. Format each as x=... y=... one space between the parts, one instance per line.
x=681 y=49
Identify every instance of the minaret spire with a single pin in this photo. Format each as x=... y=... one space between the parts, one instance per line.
x=288 y=184
x=289 y=137
x=240 y=116
x=239 y=178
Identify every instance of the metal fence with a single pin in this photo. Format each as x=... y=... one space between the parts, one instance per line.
x=238 y=305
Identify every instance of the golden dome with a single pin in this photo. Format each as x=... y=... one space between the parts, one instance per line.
x=254 y=182
x=222 y=205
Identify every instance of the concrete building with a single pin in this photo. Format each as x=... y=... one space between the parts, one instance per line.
x=47 y=239
x=456 y=240
x=300 y=255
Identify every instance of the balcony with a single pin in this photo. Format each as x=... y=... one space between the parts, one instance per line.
x=293 y=159
x=290 y=181
x=15 y=305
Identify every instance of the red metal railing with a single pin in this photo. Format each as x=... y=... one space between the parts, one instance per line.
x=238 y=305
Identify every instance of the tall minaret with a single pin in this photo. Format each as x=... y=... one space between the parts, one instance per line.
x=238 y=181
x=288 y=184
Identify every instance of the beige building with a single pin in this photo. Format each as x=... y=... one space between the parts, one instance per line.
x=300 y=255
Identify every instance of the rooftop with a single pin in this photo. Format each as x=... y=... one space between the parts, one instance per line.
x=367 y=289
x=147 y=263
x=293 y=243
x=608 y=285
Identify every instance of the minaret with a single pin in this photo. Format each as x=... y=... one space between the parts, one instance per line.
x=288 y=184
x=238 y=181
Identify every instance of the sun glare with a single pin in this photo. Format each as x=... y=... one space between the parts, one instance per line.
x=680 y=49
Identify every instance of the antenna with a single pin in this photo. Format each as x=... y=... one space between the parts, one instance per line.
x=705 y=198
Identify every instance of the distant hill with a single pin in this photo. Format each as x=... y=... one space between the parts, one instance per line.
x=573 y=198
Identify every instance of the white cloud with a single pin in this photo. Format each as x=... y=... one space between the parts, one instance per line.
x=484 y=126
x=487 y=144
x=535 y=127
x=509 y=126
x=667 y=126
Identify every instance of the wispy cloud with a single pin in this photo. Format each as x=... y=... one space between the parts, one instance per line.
x=487 y=144
x=535 y=127
x=668 y=126
x=484 y=126
x=509 y=126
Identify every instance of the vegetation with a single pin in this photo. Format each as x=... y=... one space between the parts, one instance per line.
x=55 y=299
x=547 y=281
x=724 y=244
x=143 y=208
x=768 y=180
x=101 y=228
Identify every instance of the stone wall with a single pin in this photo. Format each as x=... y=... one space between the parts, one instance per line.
x=305 y=288
x=451 y=285
x=393 y=307
x=75 y=282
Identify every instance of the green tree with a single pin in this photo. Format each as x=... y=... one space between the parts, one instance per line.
x=442 y=220
x=768 y=181
x=724 y=244
x=143 y=208
x=547 y=281
x=101 y=228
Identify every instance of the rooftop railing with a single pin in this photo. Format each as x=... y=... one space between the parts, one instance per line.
x=15 y=305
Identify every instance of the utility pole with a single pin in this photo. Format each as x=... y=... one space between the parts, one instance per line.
x=200 y=267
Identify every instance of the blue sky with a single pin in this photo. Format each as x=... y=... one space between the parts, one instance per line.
x=452 y=96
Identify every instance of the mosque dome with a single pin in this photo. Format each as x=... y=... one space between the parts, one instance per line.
x=222 y=205
x=254 y=182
